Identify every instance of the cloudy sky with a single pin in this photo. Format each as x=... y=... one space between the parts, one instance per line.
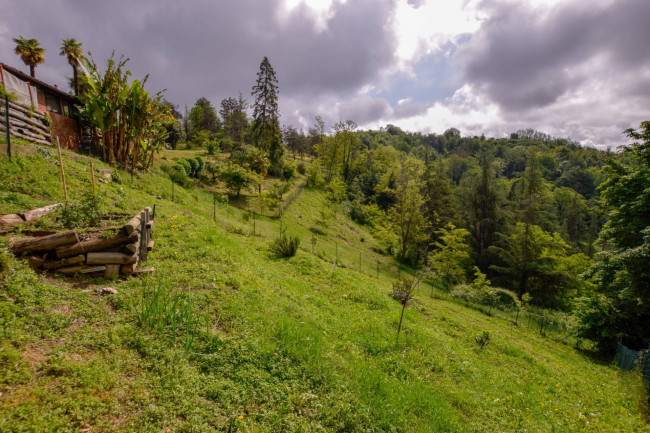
x=570 y=68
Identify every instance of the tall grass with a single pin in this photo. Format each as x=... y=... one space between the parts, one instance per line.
x=168 y=312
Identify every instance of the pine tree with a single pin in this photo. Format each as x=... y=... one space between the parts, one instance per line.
x=265 y=130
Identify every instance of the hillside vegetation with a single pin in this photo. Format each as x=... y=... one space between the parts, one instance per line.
x=269 y=344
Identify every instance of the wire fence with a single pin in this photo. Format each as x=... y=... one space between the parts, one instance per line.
x=629 y=360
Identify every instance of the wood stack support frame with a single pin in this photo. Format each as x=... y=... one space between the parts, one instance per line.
x=64 y=253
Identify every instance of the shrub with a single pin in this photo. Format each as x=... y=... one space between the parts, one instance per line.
x=483 y=339
x=178 y=175
x=302 y=169
x=285 y=246
x=87 y=211
x=288 y=172
x=201 y=163
x=358 y=212
x=212 y=147
x=194 y=167
x=186 y=166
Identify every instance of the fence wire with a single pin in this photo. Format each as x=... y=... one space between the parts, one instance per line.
x=628 y=360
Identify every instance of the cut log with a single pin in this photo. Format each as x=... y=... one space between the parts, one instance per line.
x=33 y=214
x=101 y=258
x=112 y=271
x=149 y=225
x=150 y=246
x=132 y=248
x=91 y=269
x=71 y=270
x=94 y=245
x=36 y=262
x=16 y=105
x=64 y=262
x=128 y=269
x=44 y=243
x=139 y=271
x=9 y=221
x=17 y=117
x=132 y=226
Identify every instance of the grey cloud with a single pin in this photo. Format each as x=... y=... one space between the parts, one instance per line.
x=364 y=109
x=523 y=59
x=213 y=49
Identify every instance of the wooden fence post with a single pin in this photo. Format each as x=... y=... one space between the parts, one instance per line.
x=92 y=177
x=65 y=188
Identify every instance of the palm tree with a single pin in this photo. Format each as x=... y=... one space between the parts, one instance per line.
x=72 y=50
x=31 y=52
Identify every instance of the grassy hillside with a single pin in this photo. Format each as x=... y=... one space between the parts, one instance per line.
x=270 y=344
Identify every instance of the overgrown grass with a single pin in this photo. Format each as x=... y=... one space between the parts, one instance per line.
x=288 y=345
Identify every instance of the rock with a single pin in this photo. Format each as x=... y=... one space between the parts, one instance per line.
x=159 y=197
x=106 y=291
x=189 y=212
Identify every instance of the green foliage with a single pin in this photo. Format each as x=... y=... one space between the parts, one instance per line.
x=168 y=313
x=85 y=212
x=211 y=147
x=131 y=123
x=622 y=274
x=450 y=258
x=402 y=290
x=285 y=246
x=237 y=178
x=288 y=172
x=314 y=176
x=301 y=168
x=483 y=340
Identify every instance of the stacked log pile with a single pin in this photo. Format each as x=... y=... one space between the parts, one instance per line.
x=108 y=257
x=26 y=122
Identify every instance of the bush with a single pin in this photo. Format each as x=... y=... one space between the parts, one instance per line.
x=185 y=165
x=85 y=212
x=194 y=166
x=288 y=172
x=212 y=147
x=302 y=169
x=178 y=175
x=358 y=212
x=285 y=246
x=201 y=163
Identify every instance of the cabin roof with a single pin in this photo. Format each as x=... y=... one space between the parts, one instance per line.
x=38 y=83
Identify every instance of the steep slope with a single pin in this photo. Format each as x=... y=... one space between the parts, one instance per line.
x=274 y=344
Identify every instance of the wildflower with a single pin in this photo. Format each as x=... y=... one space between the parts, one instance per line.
x=240 y=417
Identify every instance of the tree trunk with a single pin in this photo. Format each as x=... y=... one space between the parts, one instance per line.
x=32 y=71
x=75 y=74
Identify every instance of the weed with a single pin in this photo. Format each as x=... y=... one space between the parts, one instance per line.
x=483 y=339
x=166 y=311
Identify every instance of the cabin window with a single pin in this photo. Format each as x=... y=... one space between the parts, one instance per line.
x=52 y=103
